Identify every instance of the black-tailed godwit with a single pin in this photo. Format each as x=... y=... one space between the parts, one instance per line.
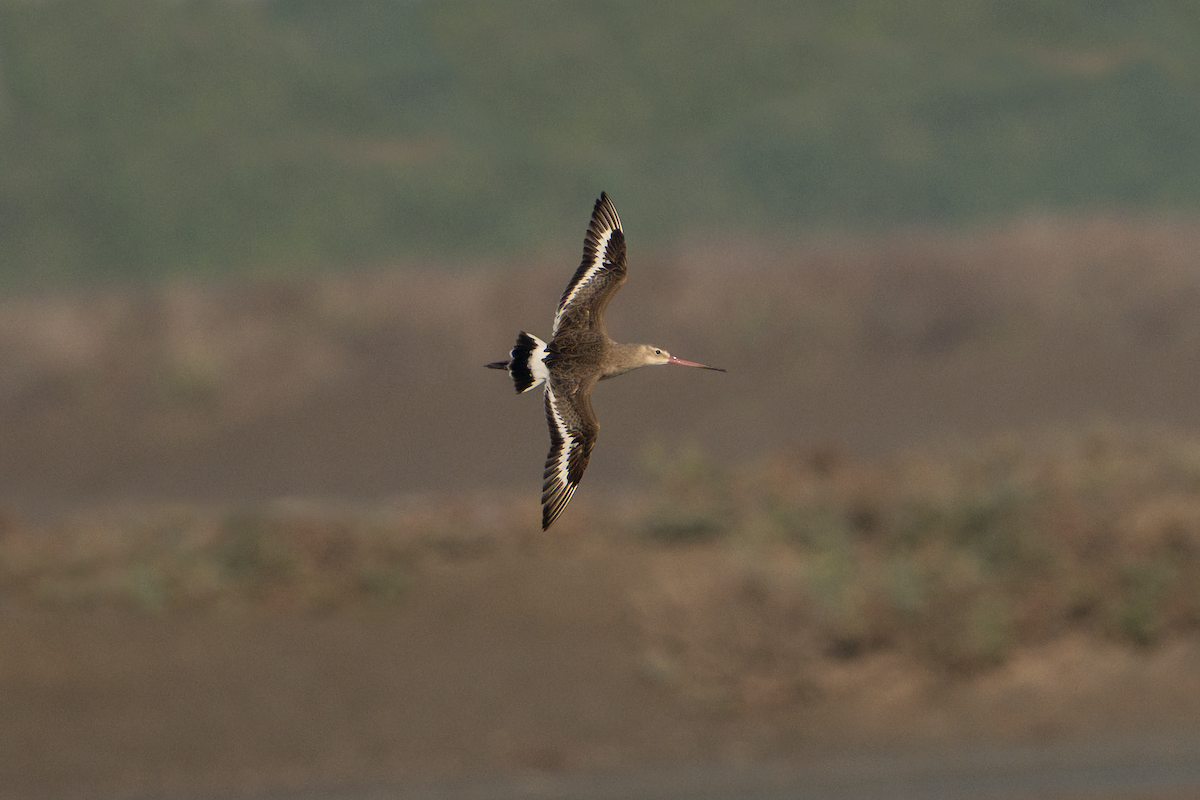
x=578 y=355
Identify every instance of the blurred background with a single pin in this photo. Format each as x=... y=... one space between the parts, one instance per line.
x=267 y=525
x=149 y=140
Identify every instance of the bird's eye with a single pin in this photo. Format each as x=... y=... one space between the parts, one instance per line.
x=657 y=352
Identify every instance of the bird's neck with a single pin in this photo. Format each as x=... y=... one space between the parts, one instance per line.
x=621 y=358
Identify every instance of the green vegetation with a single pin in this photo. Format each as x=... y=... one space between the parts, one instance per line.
x=161 y=560
x=143 y=137
x=955 y=558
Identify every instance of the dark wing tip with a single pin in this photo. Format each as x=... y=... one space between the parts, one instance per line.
x=572 y=436
x=550 y=513
x=554 y=500
x=557 y=488
x=604 y=214
x=555 y=496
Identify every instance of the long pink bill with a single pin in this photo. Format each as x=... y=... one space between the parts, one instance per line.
x=683 y=363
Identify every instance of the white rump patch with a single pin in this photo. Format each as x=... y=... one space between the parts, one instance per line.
x=537 y=363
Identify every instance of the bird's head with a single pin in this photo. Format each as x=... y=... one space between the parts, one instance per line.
x=656 y=355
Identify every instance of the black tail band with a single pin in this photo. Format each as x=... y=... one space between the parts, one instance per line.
x=519 y=368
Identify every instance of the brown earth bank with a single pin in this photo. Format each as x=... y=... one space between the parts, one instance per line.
x=371 y=385
x=776 y=628
x=529 y=662
x=872 y=533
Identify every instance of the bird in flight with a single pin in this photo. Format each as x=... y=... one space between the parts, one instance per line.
x=578 y=355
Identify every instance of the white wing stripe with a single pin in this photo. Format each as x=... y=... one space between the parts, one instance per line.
x=597 y=264
x=562 y=474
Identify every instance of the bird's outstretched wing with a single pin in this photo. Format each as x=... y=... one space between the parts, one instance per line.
x=573 y=430
x=599 y=275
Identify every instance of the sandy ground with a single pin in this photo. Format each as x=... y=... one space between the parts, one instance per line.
x=504 y=668
x=528 y=662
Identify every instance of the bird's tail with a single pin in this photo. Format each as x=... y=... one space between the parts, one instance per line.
x=528 y=363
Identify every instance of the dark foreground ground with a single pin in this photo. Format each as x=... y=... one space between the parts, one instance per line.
x=523 y=667
x=524 y=670
x=522 y=675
